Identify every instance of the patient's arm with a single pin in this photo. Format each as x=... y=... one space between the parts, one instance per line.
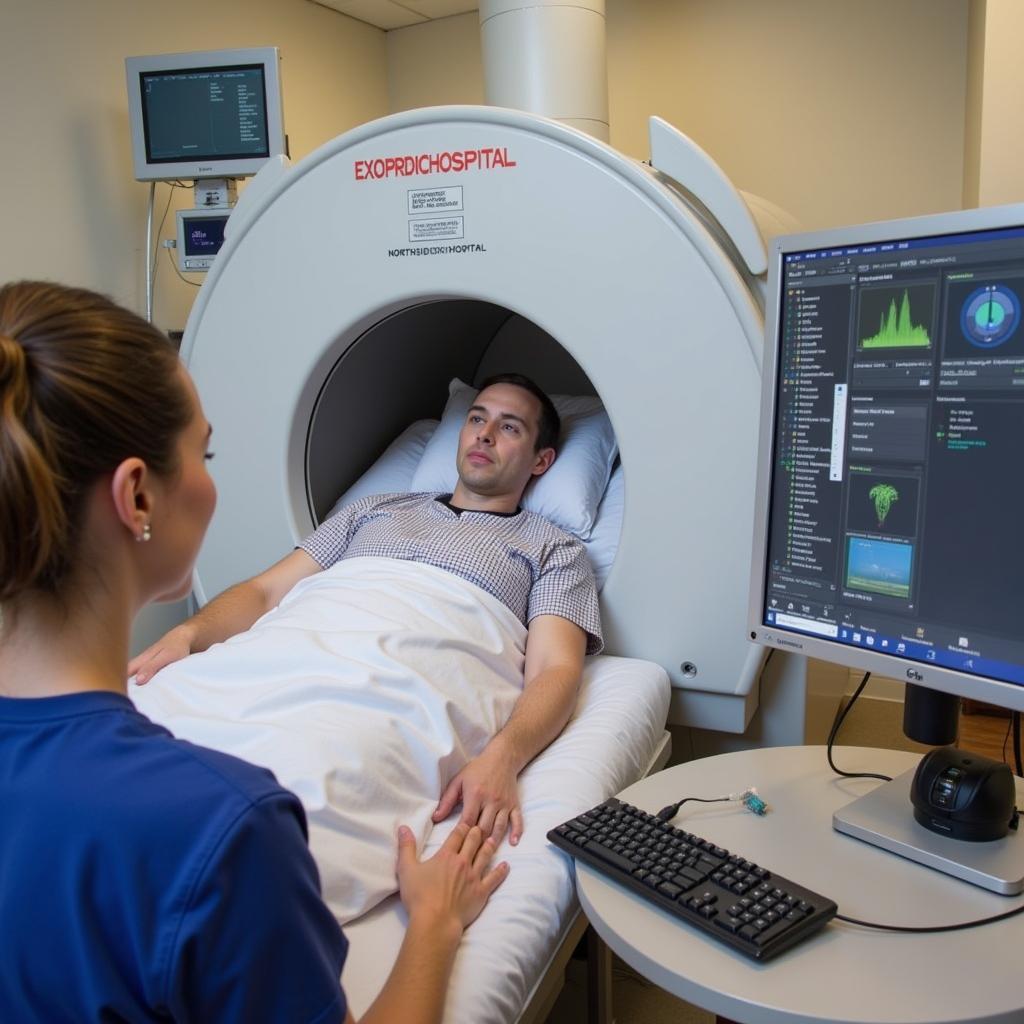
x=487 y=786
x=443 y=896
x=232 y=612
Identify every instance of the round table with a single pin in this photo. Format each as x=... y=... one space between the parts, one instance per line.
x=845 y=974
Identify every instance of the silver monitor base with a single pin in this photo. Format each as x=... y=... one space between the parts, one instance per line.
x=885 y=818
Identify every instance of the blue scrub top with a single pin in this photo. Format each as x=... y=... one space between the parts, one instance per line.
x=143 y=878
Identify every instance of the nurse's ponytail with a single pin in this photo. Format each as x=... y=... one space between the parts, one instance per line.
x=84 y=384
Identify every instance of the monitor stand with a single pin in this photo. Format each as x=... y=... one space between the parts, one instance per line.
x=885 y=818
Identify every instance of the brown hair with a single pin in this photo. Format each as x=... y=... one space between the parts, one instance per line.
x=84 y=384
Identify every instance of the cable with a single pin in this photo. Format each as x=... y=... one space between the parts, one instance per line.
x=669 y=812
x=174 y=264
x=933 y=928
x=748 y=798
x=835 y=730
x=1015 y=722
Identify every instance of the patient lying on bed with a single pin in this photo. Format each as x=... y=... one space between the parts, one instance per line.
x=416 y=652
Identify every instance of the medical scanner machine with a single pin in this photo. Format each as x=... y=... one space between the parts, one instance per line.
x=461 y=241
x=455 y=242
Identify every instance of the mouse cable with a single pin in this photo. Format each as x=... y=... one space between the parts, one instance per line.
x=748 y=798
x=933 y=928
x=835 y=730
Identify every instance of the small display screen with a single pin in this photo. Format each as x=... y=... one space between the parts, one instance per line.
x=205 y=114
x=204 y=235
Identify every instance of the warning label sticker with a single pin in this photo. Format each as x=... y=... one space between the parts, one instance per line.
x=435 y=200
x=429 y=230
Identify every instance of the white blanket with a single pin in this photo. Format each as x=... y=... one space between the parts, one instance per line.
x=365 y=692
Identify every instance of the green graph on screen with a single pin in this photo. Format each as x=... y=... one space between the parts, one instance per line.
x=897 y=329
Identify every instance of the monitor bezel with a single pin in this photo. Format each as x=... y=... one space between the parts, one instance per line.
x=267 y=57
x=907 y=670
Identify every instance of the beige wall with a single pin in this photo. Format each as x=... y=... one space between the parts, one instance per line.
x=996 y=111
x=69 y=206
x=973 y=101
x=435 y=63
x=838 y=112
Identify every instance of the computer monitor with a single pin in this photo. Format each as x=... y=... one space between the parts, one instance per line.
x=212 y=114
x=890 y=491
x=200 y=235
x=890 y=499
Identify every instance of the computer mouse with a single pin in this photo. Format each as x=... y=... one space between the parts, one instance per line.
x=964 y=795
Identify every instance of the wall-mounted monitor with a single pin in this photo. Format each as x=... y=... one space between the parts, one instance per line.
x=200 y=236
x=211 y=114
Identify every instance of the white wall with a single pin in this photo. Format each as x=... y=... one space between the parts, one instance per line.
x=70 y=208
x=838 y=112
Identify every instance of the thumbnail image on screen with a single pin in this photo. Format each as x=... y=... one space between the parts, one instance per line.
x=883 y=502
x=879 y=566
x=983 y=316
x=900 y=317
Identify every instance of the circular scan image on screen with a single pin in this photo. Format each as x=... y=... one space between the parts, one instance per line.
x=990 y=315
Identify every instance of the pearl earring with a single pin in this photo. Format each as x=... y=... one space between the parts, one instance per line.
x=146 y=534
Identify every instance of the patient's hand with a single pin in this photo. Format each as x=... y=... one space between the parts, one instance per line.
x=452 y=886
x=489 y=795
x=172 y=646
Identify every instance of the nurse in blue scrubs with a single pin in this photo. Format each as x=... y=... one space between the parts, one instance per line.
x=143 y=878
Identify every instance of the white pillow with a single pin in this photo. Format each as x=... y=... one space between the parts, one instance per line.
x=393 y=471
x=569 y=493
x=604 y=538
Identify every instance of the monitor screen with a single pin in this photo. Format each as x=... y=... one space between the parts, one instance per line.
x=890 y=493
x=204 y=115
x=200 y=236
x=204 y=236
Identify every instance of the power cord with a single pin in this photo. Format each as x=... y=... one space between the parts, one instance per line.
x=933 y=928
x=174 y=266
x=835 y=731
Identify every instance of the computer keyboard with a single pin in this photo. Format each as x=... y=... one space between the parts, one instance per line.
x=727 y=897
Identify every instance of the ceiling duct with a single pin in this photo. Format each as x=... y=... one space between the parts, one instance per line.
x=547 y=57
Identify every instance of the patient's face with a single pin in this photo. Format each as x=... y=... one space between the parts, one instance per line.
x=497 y=456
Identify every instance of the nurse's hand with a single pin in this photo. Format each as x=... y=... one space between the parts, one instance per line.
x=172 y=646
x=451 y=888
x=489 y=794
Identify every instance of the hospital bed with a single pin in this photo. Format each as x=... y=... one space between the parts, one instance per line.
x=351 y=291
x=239 y=697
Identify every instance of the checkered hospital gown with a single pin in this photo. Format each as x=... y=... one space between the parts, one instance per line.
x=524 y=561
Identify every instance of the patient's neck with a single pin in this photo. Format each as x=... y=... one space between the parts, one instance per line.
x=464 y=498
